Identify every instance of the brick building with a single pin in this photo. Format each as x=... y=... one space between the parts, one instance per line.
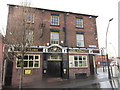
x=101 y=60
x=1 y=57
x=59 y=44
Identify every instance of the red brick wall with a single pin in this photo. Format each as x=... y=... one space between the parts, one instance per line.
x=36 y=74
x=1 y=58
x=45 y=18
x=100 y=58
x=73 y=71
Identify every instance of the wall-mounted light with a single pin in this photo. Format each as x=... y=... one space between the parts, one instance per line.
x=44 y=71
x=48 y=44
x=61 y=41
x=90 y=17
x=64 y=71
x=68 y=14
x=43 y=11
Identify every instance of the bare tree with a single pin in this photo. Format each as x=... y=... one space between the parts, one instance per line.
x=19 y=35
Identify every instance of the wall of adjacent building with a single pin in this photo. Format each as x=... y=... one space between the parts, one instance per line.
x=1 y=58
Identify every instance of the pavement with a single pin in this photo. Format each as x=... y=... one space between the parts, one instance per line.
x=100 y=80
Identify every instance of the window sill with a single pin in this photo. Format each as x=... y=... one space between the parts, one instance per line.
x=78 y=67
x=79 y=27
x=80 y=47
x=30 y=22
x=28 y=67
x=55 y=25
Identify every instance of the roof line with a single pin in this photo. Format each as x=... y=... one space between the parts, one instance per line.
x=56 y=10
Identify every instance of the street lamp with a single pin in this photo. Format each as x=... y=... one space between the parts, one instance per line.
x=102 y=58
x=109 y=76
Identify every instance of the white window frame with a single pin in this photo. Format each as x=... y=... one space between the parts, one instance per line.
x=55 y=20
x=79 y=23
x=28 y=60
x=30 y=18
x=57 y=58
x=29 y=36
x=80 y=41
x=54 y=41
x=72 y=61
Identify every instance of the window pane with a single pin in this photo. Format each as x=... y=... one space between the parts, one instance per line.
x=84 y=63
x=80 y=57
x=76 y=63
x=80 y=63
x=55 y=20
x=80 y=40
x=75 y=58
x=79 y=36
x=29 y=36
x=84 y=58
x=30 y=18
x=30 y=63
x=36 y=57
x=54 y=37
x=19 y=57
x=80 y=43
x=30 y=57
x=25 y=63
x=36 y=64
x=18 y=63
x=26 y=57
x=79 y=22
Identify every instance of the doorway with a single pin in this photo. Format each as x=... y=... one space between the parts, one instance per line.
x=54 y=69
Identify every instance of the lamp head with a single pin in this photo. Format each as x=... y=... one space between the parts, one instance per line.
x=110 y=19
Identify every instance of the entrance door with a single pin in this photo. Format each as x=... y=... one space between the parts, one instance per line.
x=91 y=64
x=54 y=69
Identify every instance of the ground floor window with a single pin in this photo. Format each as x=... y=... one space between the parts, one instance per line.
x=78 y=61
x=30 y=61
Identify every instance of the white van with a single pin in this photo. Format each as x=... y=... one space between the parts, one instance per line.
x=114 y=63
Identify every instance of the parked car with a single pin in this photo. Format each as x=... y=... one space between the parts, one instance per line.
x=114 y=63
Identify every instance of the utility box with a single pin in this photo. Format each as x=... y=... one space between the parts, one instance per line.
x=114 y=70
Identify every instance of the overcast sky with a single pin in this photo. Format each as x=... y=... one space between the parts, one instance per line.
x=104 y=9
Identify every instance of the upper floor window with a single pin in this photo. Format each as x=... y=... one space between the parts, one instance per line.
x=54 y=37
x=80 y=40
x=29 y=37
x=79 y=22
x=54 y=20
x=30 y=18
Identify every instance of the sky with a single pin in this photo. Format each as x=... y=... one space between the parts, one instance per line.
x=104 y=9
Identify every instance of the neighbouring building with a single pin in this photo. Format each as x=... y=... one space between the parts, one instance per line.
x=59 y=44
x=1 y=57
x=101 y=60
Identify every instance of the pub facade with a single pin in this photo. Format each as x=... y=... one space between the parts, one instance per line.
x=59 y=44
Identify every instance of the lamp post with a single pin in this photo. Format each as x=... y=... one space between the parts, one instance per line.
x=102 y=58
x=109 y=76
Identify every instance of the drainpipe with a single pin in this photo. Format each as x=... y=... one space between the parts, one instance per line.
x=65 y=30
x=65 y=42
